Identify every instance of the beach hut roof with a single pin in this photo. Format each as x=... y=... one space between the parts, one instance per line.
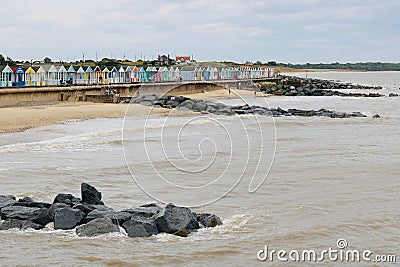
x=114 y=69
x=97 y=69
x=187 y=68
x=89 y=69
x=36 y=68
x=105 y=69
x=71 y=69
x=61 y=69
x=135 y=69
x=128 y=69
x=148 y=68
x=80 y=70
x=30 y=70
x=52 y=69
x=7 y=69
x=141 y=69
x=121 y=69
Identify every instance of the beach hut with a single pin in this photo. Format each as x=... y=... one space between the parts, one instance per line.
x=187 y=73
x=97 y=75
x=165 y=74
x=61 y=75
x=6 y=76
x=90 y=75
x=71 y=75
x=52 y=75
x=104 y=75
x=142 y=75
x=41 y=75
x=19 y=76
x=113 y=75
x=80 y=76
x=128 y=74
x=30 y=76
x=177 y=74
x=135 y=74
x=121 y=75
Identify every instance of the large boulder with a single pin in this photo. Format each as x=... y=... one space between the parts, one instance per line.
x=6 y=201
x=172 y=218
x=19 y=224
x=66 y=199
x=100 y=212
x=67 y=218
x=209 y=220
x=90 y=195
x=140 y=227
x=54 y=207
x=96 y=227
x=36 y=215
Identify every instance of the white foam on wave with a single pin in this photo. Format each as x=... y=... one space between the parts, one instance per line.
x=91 y=141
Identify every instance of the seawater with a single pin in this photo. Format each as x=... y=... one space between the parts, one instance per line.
x=330 y=179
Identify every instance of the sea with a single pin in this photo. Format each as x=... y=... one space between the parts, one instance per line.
x=278 y=184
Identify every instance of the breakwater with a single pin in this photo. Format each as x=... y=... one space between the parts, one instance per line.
x=211 y=107
x=89 y=216
x=295 y=86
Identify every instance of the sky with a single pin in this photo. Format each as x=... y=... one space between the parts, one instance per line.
x=290 y=31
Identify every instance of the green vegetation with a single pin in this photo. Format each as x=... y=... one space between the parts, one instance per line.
x=366 y=66
x=6 y=61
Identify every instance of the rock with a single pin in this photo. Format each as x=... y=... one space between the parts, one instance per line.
x=146 y=211
x=120 y=217
x=209 y=220
x=67 y=218
x=376 y=116
x=97 y=227
x=36 y=215
x=51 y=211
x=19 y=224
x=67 y=199
x=140 y=227
x=100 y=212
x=172 y=219
x=85 y=208
x=182 y=233
x=28 y=202
x=393 y=95
x=6 y=201
x=90 y=195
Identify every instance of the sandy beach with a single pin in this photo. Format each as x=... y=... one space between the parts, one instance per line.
x=15 y=119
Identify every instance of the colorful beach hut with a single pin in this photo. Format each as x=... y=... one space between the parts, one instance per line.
x=6 y=76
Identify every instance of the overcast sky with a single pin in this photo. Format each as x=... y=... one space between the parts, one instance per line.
x=295 y=31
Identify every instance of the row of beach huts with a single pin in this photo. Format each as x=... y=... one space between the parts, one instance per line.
x=54 y=75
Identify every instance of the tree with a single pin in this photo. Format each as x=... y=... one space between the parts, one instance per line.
x=47 y=60
x=10 y=62
x=2 y=60
x=258 y=63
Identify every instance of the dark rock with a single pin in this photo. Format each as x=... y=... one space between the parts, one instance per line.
x=376 y=116
x=97 y=227
x=53 y=209
x=85 y=208
x=120 y=217
x=144 y=211
x=28 y=202
x=100 y=212
x=209 y=220
x=90 y=195
x=19 y=224
x=393 y=95
x=172 y=219
x=67 y=218
x=182 y=233
x=140 y=227
x=67 y=199
x=36 y=215
x=6 y=201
